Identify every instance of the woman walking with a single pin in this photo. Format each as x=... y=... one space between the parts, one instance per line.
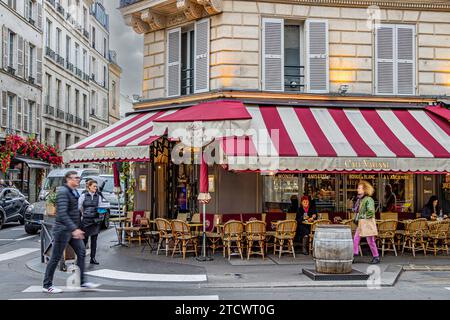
x=364 y=209
x=89 y=204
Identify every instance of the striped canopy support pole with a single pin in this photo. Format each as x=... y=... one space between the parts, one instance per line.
x=203 y=198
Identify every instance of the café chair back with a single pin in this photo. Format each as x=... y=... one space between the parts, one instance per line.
x=183 y=237
x=195 y=218
x=165 y=234
x=389 y=216
x=437 y=236
x=291 y=216
x=415 y=232
x=182 y=216
x=386 y=235
x=214 y=236
x=284 y=237
x=255 y=232
x=233 y=233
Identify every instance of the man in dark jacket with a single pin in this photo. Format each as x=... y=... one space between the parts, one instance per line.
x=67 y=231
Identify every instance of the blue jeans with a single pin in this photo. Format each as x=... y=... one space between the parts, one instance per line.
x=60 y=241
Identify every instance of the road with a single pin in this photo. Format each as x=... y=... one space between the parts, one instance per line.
x=19 y=282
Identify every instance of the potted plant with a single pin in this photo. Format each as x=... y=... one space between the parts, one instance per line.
x=50 y=207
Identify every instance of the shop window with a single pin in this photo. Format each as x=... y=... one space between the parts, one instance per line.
x=278 y=191
x=352 y=186
x=402 y=186
x=321 y=188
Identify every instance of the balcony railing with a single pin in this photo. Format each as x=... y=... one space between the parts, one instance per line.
x=52 y=2
x=69 y=117
x=49 y=110
x=86 y=33
x=60 y=114
x=11 y=131
x=31 y=80
x=60 y=60
x=31 y=21
x=78 y=121
x=86 y=124
x=50 y=53
x=60 y=9
x=69 y=66
x=78 y=72
x=85 y=77
x=294 y=78
x=124 y=3
x=11 y=70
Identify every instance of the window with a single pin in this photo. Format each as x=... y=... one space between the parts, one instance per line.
x=105 y=76
x=19 y=114
x=68 y=48
x=12 y=4
x=105 y=109
x=58 y=93
x=84 y=61
x=85 y=111
x=93 y=68
x=114 y=99
x=77 y=54
x=11 y=49
x=10 y=123
x=29 y=10
x=295 y=56
x=48 y=79
x=93 y=111
x=395 y=59
x=105 y=47
x=58 y=139
x=77 y=103
x=68 y=88
x=77 y=139
x=31 y=57
x=58 y=41
x=48 y=36
x=85 y=19
x=38 y=119
x=31 y=105
x=47 y=135
x=93 y=37
x=67 y=140
x=188 y=59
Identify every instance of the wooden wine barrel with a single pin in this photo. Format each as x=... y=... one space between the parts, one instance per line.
x=333 y=249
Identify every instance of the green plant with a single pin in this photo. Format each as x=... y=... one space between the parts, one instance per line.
x=51 y=198
x=130 y=183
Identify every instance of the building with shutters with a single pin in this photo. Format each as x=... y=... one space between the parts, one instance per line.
x=114 y=88
x=76 y=88
x=338 y=90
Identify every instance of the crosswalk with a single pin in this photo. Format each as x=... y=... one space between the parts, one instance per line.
x=17 y=253
x=133 y=276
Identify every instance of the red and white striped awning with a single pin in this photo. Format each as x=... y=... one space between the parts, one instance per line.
x=335 y=139
x=126 y=140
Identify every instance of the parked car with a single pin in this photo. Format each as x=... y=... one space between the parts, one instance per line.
x=34 y=215
x=13 y=205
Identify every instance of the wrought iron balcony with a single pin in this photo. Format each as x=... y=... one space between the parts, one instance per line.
x=86 y=33
x=86 y=77
x=60 y=60
x=11 y=70
x=49 y=110
x=69 y=117
x=124 y=3
x=78 y=121
x=60 y=114
x=31 y=80
x=60 y=9
x=69 y=66
x=50 y=53
x=52 y=2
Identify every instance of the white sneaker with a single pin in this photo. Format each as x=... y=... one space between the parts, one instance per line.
x=89 y=285
x=52 y=290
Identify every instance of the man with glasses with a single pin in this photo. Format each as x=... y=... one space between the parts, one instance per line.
x=67 y=231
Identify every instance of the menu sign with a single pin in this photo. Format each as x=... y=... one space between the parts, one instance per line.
x=362 y=176
x=318 y=176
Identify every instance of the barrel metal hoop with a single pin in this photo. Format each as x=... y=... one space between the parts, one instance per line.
x=332 y=261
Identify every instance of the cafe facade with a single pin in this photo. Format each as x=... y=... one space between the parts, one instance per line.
x=333 y=92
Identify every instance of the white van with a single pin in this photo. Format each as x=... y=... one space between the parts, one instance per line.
x=56 y=179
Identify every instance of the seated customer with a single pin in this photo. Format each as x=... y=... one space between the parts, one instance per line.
x=306 y=213
x=431 y=209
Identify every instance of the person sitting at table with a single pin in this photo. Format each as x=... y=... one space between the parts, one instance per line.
x=389 y=199
x=431 y=209
x=307 y=213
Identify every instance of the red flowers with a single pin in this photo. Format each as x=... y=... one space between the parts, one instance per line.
x=28 y=147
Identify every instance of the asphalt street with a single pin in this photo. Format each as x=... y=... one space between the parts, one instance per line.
x=17 y=281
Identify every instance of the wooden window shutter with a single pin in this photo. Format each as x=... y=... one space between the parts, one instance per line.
x=273 y=54
x=25 y=115
x=201 y=64
x=4 y=109
x=317 y=66
x=20 y=57
x=39 y=66
x=39 y=16
x=26 y=55
x=405 y=60
x=173 y=62
x=38 y=118
x=5 y=39
x=19 y=114
x=384 y=56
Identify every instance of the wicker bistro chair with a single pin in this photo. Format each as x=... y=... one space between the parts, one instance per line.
x=137 y=231
x=291 y=216
x=284 y=235
x=165 y=234
x=214 y=237
x=233 y=232
x=414 y=234
x=438 y=233
x=183 y=237
x=313 y=229
x=255 y=232
x=386 y=233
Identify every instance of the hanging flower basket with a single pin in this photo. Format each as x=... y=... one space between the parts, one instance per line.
x=30 y=147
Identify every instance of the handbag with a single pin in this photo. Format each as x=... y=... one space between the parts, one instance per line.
x=367 y=227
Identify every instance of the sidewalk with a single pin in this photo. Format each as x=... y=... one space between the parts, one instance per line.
x=122 y=264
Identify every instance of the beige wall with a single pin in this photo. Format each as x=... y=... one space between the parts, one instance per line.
x=235 y=47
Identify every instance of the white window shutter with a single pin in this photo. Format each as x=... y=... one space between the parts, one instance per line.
x=20 y=57
x=201 y=64
x=16 y=52
x=405 y=60
x=273 y=54
x=173 y=62
x=25 y=115
x=19 y=114
x=39 y=16
x=317 y=65
x=38 y=118
x=5 y=39
x=4 y=109
x=384 y=56
x=27 y=9
x=26 y=67
x=39 y=66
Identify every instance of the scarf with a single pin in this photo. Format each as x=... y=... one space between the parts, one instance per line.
x=356 y=205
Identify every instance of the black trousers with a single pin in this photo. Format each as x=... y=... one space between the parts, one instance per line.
x=60 y=241
x=91 y=230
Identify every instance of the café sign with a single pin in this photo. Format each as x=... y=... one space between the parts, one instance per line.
x=366 y=164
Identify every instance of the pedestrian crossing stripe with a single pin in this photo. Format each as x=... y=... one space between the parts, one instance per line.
x=133 y=276
x=33 y=289
x=206 y=297
x=16 y=253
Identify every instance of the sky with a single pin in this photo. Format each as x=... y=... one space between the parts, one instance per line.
x=129 y=48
